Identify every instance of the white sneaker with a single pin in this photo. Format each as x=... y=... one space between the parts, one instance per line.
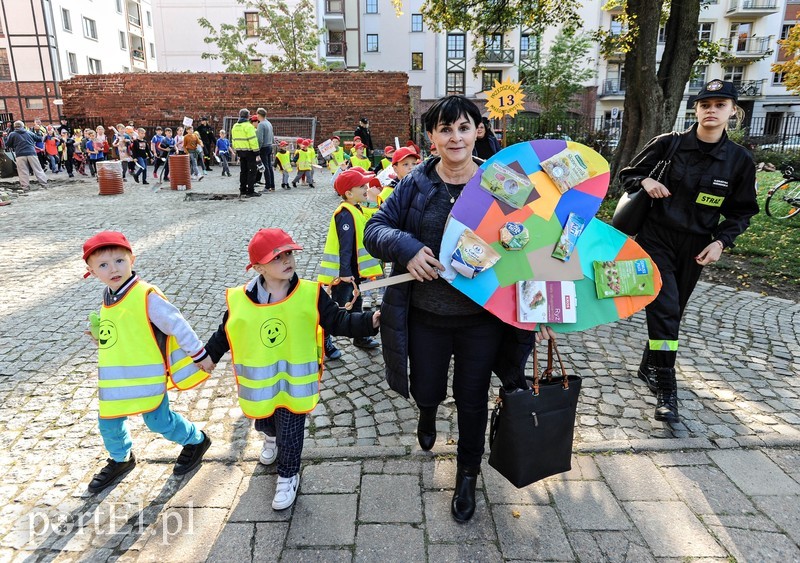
x=285 y=492
x=269 y=453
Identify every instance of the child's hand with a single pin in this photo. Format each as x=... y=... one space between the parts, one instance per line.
x=376 y=319
x=206 y=364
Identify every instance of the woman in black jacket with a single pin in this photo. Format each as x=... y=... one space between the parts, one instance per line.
x=710 y=178
x=486 y=144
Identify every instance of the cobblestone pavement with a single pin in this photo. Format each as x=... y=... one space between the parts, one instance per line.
x=722 y=483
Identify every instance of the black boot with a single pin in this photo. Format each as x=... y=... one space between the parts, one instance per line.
x=426 y=427
x=463 y=505
x=667 y=396
x=647 y=371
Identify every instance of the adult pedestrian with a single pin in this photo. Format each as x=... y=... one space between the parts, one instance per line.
x=363 y=132
x=265 y=141
x=245 y=144
x=710 y=178
x=209 y=139
x=486 y=143
x=427 y=322
x=23 y=143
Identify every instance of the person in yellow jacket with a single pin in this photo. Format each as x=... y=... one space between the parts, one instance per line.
x=245 y=144
x=302 y=157
x=283 y=162
x=404 y=160
x=344 y=256
x=337 y=157
x=359 y=159
x=145 y=347
x=273 y=328
x=386 y=161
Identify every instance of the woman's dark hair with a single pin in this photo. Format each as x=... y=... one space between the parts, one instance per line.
x=487 y=125
x=448 y=109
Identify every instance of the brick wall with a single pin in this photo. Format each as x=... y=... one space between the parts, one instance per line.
x=335 y=99
x=9 y=93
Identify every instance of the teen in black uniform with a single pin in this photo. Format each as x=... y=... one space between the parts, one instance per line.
x=704 y=204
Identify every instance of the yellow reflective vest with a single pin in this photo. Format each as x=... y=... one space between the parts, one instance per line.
x=385 y=163
x=243 y=137
x=303 y=159
x=364 y=163
x=368 y=266
x=285 y=159
x=337 y=157
x=133 y=372
x=276 y=350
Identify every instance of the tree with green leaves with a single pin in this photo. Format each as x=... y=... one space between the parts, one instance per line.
x=561 y=75
x=293 y=31
x=791 y=66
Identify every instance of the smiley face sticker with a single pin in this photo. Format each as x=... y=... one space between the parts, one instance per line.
x=273 y=333
x=106 y=334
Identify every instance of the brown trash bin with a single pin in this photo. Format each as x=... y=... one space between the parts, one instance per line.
x=109 y=177
x=180 y=174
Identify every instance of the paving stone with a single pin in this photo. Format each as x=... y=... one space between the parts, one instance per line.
x=323 y=520
x=233 y=544
x=783 y=510
x=390 y=498
x=531 y=533
x=634 y=478
x=500 y=491
x=441 y=527
x=389 y=543
x=587 y=505
x=754 y=473
x=671 y=530
x=317 y=556
x=707 y=490
x=269 y=541
x=680 y=458
x=177 y=532
x=750 y=545
x=331 y=477
x=254 y=501
x=213 y=485
x=610 y=547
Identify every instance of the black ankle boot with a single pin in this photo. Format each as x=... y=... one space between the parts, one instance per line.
x=667 y=396
x=463 y=505
x=426 y=427
x=647 y=371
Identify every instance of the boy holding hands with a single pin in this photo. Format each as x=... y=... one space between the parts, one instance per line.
x=145 y=346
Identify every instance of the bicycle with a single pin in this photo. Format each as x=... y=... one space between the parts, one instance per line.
x=783 y=201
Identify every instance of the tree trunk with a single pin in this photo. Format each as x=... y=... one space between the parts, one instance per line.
x=654 y=91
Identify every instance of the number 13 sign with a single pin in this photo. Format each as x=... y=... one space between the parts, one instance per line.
x=506 y=98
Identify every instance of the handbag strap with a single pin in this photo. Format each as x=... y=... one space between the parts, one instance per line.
x=551 y=347
x=662 y=165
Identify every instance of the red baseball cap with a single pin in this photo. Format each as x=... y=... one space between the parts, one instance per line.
x=356 y=139
x=404 y=152
x=374 y=183
x=360 y=146
x=283 y=144
x=335 y=137
x=103 y=239
x=299 y=141
x=305 y=142
x=266 y=244
x=352 y=178
x=388 y=150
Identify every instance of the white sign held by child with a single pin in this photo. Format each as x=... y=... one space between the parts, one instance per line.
x=187 y=121
x=326 y=148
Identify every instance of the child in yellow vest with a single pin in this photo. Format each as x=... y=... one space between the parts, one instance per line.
x=359 y=159
x=145 y=347
x=273 y=328
x=337 y=157
x=312 y=161
x=302 y=157
x=403 y=162
x=356 y=141
x=386 y=161
x=344 y=255
x=283 y=161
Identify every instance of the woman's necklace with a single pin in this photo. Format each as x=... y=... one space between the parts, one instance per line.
x=447 y=186
x=452 y=197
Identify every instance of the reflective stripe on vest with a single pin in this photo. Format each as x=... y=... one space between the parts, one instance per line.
x=132 y=374
x=303 y=160
x=243 y=137
x=276 y=350
x=368 y=266
x=183 y=372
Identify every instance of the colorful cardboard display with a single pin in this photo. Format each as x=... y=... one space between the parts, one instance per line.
x=544 y=215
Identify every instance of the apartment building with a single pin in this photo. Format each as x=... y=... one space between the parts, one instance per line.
x=43 y=42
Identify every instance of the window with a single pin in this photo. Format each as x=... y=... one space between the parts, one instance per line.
x=372 y=6
x=251 y=23
x=416 y=61
x=455 y=46
x=94 y=66
x=34 y=103
x=256 y=65
x=5 y=69
x=119 y=6
x=152 y=50
x=66 y=21
x=662 y=34
x=89 y=29
x=778 y=78
x=785 y=30
x=336 y=46
x=489 y=76
x=123 y=42
x=72 y=63
x=416 y=22
x=734 y=74
x=372 y=42
x=149 y=18
x=740 y=35
x=2 y=104
x=698 y=77
x=617 y=26
x=528 y=47
x=455 y=83
x=493 y=42
x=705 y=31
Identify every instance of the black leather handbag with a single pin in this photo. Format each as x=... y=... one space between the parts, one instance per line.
x=531 y=429
x=632 y=209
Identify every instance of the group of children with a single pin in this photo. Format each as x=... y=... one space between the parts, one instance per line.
x=277 y=327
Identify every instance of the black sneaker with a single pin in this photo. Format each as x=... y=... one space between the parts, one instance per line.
x=111 y=473
x=135 y=177
x=332 y=352
x=191 y=456
x=366 y=343
x=253 y=194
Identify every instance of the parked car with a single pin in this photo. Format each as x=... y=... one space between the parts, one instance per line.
x=789 y=143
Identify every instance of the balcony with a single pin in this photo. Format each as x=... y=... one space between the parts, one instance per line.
x=613 y=87
x=335 y=49
x=751 y=8
x=496 y=57
x=334 y=15
x=749 y=47
x=750 y=88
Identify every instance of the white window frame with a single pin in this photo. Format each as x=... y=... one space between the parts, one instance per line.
x=149 y=18
x=66 y=20
x=119 y=6
x=152 y=50
x=123 y=40
x=28 y=105
x=709 y=36
x=89 y=25
x=94 y=69
x=72 y=63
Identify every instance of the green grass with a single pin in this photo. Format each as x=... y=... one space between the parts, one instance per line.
x=770 y=247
